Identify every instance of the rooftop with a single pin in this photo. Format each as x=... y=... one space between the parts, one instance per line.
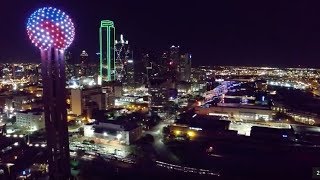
x=204 y=122
x=125 y=125
x=34 y=111
x=238 y=105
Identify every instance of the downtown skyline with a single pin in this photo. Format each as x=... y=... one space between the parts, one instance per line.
x=219 y=33
x=159 y=89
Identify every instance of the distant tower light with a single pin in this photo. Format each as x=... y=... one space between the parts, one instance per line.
x=84 y=53
x=121 y=39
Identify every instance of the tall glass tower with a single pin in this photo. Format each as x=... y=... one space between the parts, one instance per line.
x=107 y=51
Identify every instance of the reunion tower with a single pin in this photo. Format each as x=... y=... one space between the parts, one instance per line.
x=52 y=31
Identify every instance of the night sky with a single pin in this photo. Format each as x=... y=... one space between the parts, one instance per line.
x=216 y=33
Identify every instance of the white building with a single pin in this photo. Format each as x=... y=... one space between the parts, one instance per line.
x=237 y=111
x=122 y=133
x=31 y=119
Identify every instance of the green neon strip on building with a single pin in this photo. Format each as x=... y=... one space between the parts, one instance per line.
x=107 y=51
x=100 y=44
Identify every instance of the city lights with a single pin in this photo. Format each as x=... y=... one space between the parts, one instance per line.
x=132 y=108
x=177 y=132
x=191 y=134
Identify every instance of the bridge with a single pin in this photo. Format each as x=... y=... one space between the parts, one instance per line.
x=219 y=90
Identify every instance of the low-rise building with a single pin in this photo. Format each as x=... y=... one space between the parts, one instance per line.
x=32 y=119
x=200 y=127
x=235 y=111
x=17 y=100
x=84 y=100
x=272 y=134
x=113 y=130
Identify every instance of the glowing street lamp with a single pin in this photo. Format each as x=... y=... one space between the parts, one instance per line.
x=191 y=134
x=177 y=132
x=52 y=31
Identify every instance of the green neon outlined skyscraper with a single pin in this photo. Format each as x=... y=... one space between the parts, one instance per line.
x=107 y=51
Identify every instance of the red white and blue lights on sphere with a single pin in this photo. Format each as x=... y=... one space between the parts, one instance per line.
x=49 y=27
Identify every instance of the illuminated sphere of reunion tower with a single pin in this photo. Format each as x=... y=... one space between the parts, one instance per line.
x=50 y=28
x=52 y=31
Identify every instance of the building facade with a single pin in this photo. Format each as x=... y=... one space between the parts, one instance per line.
x=237 y=112
x=83 y=101
x=122 y=52
x=107 y=51
x=184 y=67
x=31 y=119
x=84 y=62
x=119 y=132
x=129 y=72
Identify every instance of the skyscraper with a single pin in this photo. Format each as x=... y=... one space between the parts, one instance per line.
x=84 y=63
x=52 y=47
x=122 y=51
x=174 y=57
x=107 y=51
x=124 y=62
x=129 y=69
x=84 y=57
x=184 y=67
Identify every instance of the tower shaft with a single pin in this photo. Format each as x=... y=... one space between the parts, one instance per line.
x=54 y=98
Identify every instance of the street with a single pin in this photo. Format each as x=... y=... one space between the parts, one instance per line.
x=163 y=152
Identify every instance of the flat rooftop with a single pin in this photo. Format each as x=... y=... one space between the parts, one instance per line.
x=122 y=121
x=238 y=105
x=34 y=111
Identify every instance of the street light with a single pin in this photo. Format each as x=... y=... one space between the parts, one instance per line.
x=191 y=134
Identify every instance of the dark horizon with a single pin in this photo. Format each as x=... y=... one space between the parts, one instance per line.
x=216 y=33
